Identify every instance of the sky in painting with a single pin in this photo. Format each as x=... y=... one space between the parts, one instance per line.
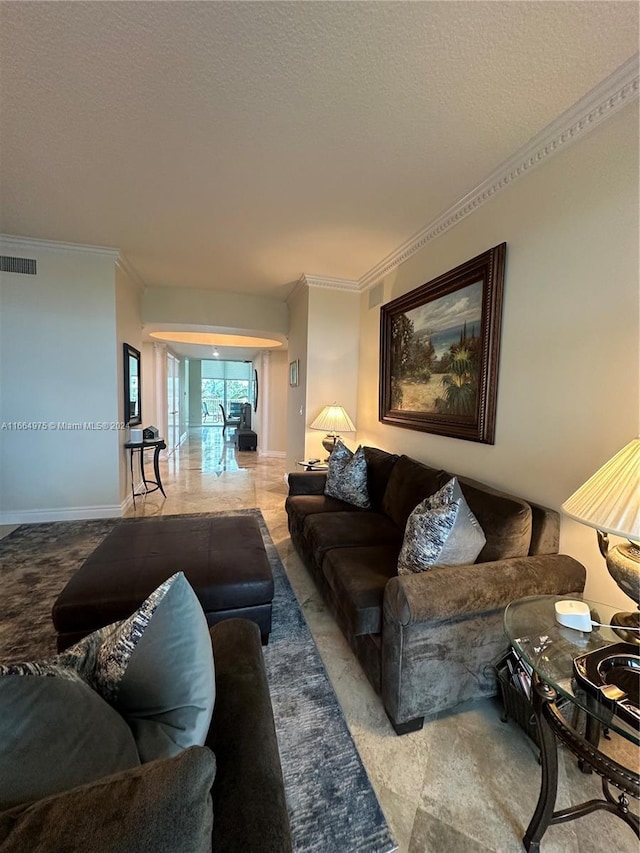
x=452 y=310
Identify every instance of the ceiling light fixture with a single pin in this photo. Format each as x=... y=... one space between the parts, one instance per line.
x=217 y=339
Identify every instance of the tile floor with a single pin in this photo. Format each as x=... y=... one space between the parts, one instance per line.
x=466 y=781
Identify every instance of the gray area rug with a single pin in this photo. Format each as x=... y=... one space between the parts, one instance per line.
x=332 y=806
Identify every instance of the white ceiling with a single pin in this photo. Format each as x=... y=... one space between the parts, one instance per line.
x=238 y=145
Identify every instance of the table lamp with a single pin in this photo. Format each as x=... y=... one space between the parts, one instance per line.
x=610 y=502
x=333 y=420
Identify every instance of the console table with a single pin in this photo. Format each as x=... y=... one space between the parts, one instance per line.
x=550 y=649
x=134 y=447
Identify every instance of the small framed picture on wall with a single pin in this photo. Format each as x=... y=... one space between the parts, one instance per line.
x=293 y=372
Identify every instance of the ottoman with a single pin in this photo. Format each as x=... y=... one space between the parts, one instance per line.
x=246 y=439
x=223 y=558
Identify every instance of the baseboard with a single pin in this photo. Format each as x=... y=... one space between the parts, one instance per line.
x=277 y=454
x=80 y=513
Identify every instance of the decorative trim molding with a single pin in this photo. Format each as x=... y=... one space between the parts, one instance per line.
x=33 y=516
x=605 y=100
x=331 y=283
x=345 y=284
x=130 y=271
x=55 y=246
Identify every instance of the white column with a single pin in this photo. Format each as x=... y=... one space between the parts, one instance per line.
x=264 y=440
x=160 y=387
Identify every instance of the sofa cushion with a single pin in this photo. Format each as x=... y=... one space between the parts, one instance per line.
x=357 y=578
x=379 y=467
x=56 y=733
x=441 y=531
x=410 y=483
x=162 y=806
x=505 y=520
x=298 y=507
x=348 y=530
x=347 y=476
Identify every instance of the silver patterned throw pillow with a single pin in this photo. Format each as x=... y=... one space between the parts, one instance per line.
x=347 y=476
x=441 y=531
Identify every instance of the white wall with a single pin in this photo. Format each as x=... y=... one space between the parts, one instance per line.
x=128 y=296
x=210 y=308
x=149 y=403
x=59 y=365
x=568 y=380
x=332 y=362
x=296 y=397
x=272 y=403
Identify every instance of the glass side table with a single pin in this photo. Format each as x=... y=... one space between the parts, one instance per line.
x=550 y=649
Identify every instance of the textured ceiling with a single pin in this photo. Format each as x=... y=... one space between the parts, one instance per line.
x=237 y=145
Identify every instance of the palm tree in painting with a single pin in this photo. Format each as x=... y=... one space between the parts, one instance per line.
x=459 y=385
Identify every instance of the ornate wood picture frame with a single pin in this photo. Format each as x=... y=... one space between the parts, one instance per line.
x=439 y=352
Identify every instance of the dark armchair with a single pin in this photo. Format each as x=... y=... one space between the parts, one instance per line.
x=228 y=420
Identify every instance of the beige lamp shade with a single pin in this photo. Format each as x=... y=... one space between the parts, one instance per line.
x=610 y=499
x=333 y=419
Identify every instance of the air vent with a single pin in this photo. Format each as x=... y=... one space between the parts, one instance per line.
x=26 y=266
x=376 y=295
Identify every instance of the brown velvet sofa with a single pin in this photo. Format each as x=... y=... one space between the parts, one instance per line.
x=245 y=810
x=425 y=641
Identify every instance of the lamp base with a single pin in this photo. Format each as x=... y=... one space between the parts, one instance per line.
x=329 y=442
x=627 y=626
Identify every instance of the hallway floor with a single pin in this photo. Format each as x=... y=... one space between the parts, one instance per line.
x=466 y=781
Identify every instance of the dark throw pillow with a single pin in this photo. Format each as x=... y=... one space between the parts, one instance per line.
x=56 y=733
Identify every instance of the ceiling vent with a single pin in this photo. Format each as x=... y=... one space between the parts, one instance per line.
x=376 y=295
x=26 y=266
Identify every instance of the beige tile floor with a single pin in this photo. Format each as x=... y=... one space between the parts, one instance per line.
x=466 y=781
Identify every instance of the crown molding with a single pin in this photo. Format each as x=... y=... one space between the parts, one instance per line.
x=308 y=281
x=331 y=283
x=55 y=246
x=605 y=100
x=130 y=271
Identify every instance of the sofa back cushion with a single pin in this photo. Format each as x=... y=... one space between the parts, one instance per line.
x=505 y=520
x=410 y=483
x=379 y=467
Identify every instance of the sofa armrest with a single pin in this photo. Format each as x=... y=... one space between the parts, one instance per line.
x=243 y=738
x=442 y=629
x=307 y=482
x=449 y=592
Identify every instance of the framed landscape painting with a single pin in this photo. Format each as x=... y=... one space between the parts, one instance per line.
x=439 y=352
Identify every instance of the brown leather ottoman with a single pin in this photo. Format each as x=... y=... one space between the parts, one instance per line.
x=223 y=558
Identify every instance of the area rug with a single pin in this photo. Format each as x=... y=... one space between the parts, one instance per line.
x=332 y=806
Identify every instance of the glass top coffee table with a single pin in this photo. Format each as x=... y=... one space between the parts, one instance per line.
x=550 y=649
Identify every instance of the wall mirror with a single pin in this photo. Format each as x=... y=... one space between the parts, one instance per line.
x=132 y=386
